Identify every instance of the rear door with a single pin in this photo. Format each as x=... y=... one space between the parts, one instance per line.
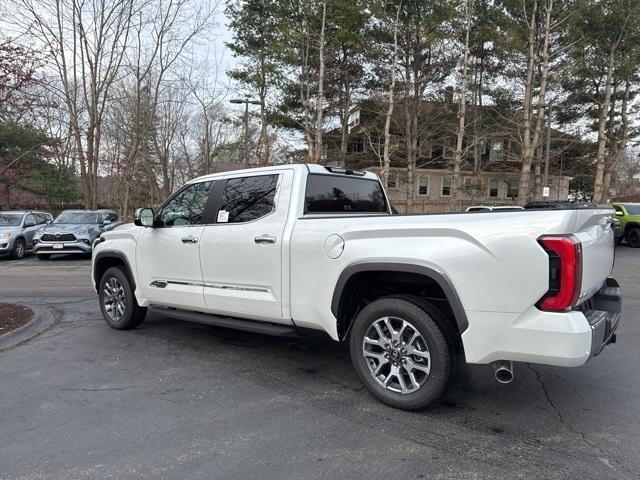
x=168 y=257
x=241 y=253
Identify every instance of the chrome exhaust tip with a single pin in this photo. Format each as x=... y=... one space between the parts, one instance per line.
x=503 y=371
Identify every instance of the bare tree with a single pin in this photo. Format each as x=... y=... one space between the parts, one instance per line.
x=392 y=86
x=86 y=42
x=462 y=105
x=533 y=124
x=320 y=98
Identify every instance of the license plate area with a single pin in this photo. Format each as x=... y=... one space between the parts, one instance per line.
x=58 y=246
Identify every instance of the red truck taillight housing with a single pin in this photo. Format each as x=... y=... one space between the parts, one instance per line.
x=565 y=272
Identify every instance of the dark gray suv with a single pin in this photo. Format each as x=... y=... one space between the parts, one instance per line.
x=73 y=231
x=18 y=228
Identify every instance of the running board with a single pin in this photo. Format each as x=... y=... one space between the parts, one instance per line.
x=226 y=322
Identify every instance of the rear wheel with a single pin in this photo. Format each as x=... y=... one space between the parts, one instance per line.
x=401 y=353
x=19 y=249
x=633 y=237
x=117 y=301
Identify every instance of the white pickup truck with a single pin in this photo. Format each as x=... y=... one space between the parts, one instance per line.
x=283 y=249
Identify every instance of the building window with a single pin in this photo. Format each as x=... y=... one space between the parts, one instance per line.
x=446 y=186
x=424 y=150
x=448 y=148
x=496 y=151
x=468 y=183
x=513 y=189
x=392 y=180
x=423 y=185
x=493 y=189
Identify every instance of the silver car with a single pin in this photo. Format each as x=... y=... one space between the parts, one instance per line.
x=73 y=232
x=18 y=228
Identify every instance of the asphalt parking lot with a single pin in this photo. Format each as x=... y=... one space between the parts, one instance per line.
x=185 y=401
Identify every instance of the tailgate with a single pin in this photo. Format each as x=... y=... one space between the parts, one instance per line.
x=594 y=230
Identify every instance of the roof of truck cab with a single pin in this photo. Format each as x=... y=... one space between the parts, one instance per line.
x=309 y=167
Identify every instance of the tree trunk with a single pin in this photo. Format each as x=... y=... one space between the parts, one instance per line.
x=598 y=184
x=456 y=182
x=320 y=102
x=387 y=124
x=532 y=141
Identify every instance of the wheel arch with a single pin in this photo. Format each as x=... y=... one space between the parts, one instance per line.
x=106 y=260
x=631 y=225
x=356 y=278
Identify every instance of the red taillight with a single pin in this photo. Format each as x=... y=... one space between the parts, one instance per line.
x=565 y=272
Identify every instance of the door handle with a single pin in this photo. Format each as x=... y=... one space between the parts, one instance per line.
x=189 y=239
x=265 y=239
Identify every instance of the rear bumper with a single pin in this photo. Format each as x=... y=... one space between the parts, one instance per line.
x=566 y=339
x=603 y=315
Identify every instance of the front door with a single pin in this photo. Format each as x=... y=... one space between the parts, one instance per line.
x=241 y=253
x=31 y=226
x=168 y=259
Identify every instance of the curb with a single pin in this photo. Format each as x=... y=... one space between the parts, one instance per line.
x=41 y=321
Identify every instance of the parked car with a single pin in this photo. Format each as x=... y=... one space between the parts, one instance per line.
x=628 y=214
x=17 y=229
x=73 y=232
x=494 y=208
x=283 y=249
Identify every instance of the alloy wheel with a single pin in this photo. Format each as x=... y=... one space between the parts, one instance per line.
x=114 y=299
x=397 y=355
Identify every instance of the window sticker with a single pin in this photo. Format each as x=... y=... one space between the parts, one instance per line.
x=223 y=216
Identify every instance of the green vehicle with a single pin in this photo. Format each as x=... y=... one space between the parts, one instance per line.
x=629 y=216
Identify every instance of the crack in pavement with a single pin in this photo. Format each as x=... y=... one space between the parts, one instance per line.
x=603 y=456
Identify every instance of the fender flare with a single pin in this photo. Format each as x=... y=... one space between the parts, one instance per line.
x=438 y=277
x=118 y=255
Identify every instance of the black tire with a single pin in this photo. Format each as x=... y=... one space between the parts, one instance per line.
x=132 y=314
x=429 y=322
x=19 y=249
x=633 y=237
x=43 y=256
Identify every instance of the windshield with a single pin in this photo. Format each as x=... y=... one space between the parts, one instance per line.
x=77 y=218
x=631 y=209
x=10 y=219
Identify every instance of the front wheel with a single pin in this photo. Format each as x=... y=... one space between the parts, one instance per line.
x=633 y=237
x=19 y=249
x=117 y=301
x=401 y=353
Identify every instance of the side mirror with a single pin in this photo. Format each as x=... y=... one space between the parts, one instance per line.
x=106 y=222
x=143 y=217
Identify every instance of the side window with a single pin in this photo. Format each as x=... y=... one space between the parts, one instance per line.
x=247 y=198
x=40 y=218
x=187 y=207
x=30 y=221
x=112 y=217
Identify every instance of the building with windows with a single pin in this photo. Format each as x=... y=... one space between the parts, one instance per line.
x=491 y=161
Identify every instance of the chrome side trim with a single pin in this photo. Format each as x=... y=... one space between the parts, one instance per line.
x=165 y=283
x=234 y=287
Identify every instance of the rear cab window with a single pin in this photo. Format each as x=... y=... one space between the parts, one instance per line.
x=246 y=199
x=338 y=194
